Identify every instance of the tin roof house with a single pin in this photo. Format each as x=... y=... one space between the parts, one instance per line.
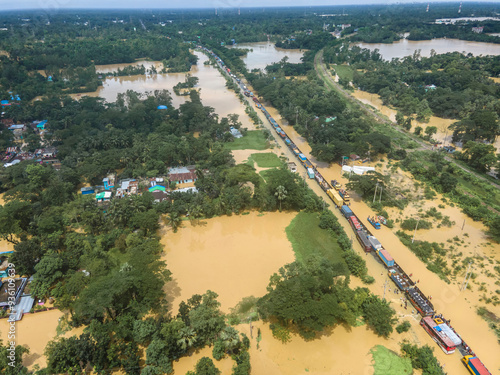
x=182 y=174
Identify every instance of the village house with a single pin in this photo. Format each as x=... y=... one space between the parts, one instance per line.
x=159 y=196
x=17 y=130
x=109 y=182
x=87 y=190
x=12 y=150
x=127 y=187
x=104 y=196
x=235 y=132
x=182 y=175
x=48 y=152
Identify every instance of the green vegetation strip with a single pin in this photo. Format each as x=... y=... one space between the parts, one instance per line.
x=265 y=160
x=253 y=140
x=386 y=362
x=344 y=72
x=308 y=238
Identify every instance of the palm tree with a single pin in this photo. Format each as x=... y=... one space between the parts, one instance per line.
x=280 y=194
x=187 y=339
x=194 y=213
x=230 y=338
x=174 y=220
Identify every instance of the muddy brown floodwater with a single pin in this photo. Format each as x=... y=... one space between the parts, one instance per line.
x=34 y=331
x=213 y=91
x=233 y=256
x=265 y=53
x=405 y=47
x=443 y=133
x=458 y=306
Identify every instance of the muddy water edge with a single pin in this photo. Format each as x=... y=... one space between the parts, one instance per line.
x=458 y=306
x=213 y=91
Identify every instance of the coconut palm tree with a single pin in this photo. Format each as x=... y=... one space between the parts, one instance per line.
x=280 y=194
x=187 y=339
x=174 y=221
x=194 y=213
x=230 y=338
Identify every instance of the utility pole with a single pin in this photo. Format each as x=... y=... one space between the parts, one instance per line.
x=380 y=199
x=463 y=225
x=375 y=194
x=414 y=233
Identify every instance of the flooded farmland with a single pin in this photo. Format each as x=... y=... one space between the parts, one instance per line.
x=443 y=134
x=233 y=256
x=459 y=306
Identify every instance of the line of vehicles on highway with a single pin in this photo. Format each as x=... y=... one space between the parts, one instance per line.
x=434 y=324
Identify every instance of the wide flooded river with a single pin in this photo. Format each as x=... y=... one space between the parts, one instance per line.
x=265 y=53
x=406 y=47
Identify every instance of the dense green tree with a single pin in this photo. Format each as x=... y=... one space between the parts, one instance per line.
x=307 y=297
x=69 y=355
x=379 y=315
x=204 y=366
x=11 y=361
x=422 y=358
x=479 y=156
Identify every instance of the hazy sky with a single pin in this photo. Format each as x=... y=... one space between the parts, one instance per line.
x=62 y=4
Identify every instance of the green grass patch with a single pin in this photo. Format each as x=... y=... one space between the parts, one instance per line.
x=308 y=238
x=343 y=71
x=253 y=140
x=386 y=362
x=266 y=160
x=265 y=173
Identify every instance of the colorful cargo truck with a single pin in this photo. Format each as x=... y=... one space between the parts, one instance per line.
x=474 y=365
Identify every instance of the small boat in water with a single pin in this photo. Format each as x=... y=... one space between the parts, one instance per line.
x=382 y=219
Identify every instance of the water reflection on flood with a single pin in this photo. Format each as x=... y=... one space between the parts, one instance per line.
x=213 y=91
x=405 y=47
x=265 y=53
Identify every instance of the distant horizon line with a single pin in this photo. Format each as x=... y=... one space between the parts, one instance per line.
x=351 y=5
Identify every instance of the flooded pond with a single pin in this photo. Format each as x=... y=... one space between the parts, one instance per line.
x=405 y=47
x=265 y=53
x=233 y=256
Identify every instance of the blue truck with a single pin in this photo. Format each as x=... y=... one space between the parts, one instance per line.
x=346 y=211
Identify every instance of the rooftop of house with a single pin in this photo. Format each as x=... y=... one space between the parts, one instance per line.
x=103 y=195
x=16 y=126
x=177 y=170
